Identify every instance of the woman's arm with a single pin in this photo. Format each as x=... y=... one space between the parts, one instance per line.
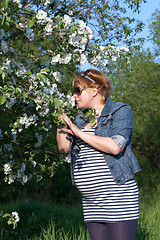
x=105 y=144
x=63 y=139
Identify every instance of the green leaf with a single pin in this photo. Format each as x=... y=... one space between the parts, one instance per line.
x=30 y=23
x=18 y=90
x=25 y=95
x=45 y=70
x=10 y=222
x=42 y=77
x=6 y=215
x=2 y=100
x=56 y=103
x=28 y=73
x=94 y=122
x=5 y=4
x=3 y=74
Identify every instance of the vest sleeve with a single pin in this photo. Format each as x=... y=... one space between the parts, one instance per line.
x=122 y=125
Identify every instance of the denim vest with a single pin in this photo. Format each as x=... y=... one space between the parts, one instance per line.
x=116 y=119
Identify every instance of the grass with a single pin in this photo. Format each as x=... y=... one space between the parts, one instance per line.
x=39 y=221
x=150 y=221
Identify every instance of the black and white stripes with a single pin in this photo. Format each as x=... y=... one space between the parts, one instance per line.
x=103 y=200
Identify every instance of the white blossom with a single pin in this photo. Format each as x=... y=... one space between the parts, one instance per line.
x=10 y=103
x=82 y=27
x=47 y=2
x=21 y=176
x=114 y=58
x=83 y=43
x=4 y=46
x=22 y=25
x=13 y=134
x=48 y=29
x=38 y=107
x=24 y=179
x=95 y=60
x=57 y=76
x=42 y=83
x=68 y=158
x=34 y=163
x=74 y=39
x=45 y=110
x=102 y=48
x=83 y=59
x=21 y=72
x=39 y=178
x=8 y=147
x=7 y=168
x=89 y=32
x=71 y=100
x=27 y=121
x=122 y=49
x=11 y=179
x=41 y=15
x=51 y=89
x=23 y=167
x=6 y=64
x=11 y=49
x=70 y=12
x=39 y=138
x=66 y=58
x=2 y=34
x=56 y=3
x=104 y=63
x=29 y=34
x=18 y=2
x=15 y=216
x=67 y=20
x=55 y=59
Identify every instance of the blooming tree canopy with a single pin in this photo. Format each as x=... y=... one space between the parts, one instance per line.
x=42 y=44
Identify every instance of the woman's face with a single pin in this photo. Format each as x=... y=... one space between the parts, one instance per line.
x=83 y=96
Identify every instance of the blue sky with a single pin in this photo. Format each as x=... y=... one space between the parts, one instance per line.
x=145 y=16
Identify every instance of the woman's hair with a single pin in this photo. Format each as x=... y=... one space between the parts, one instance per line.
x=94 y=78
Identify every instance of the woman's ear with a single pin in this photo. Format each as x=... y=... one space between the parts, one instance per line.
x=94 y=92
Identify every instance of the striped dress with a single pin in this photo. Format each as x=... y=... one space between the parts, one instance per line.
x=103 y=200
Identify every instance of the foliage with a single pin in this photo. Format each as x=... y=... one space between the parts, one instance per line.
x=138 y=85
x=155 y=30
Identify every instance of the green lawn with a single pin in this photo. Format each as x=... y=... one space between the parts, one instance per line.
x=40 y=221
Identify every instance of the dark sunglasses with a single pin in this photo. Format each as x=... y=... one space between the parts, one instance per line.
x=78 y=90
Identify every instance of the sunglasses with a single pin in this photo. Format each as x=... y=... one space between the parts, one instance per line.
x=78 y=90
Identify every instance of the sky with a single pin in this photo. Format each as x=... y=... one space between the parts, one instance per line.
x=145 y=15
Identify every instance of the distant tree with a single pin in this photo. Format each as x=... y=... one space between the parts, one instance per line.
x=138 y=84
x=155 y=31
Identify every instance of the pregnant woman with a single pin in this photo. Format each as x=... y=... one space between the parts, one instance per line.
x=102 y=162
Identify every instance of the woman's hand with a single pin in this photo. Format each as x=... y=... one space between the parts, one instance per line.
x=73 y=129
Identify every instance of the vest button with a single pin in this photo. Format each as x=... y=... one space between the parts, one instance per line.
x=118 y=181
x=111 y=167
